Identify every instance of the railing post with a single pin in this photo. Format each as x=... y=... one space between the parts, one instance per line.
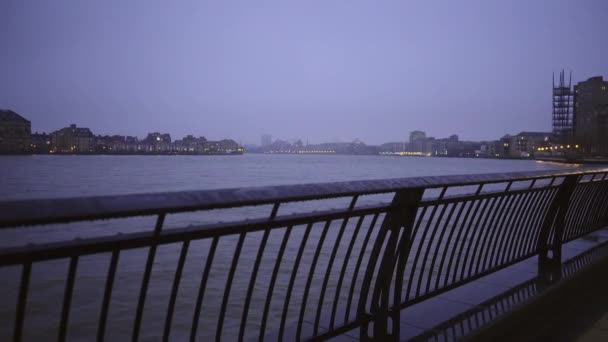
x=549 y=244
x=399 y=218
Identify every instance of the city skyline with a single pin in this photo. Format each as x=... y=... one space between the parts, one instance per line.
x=333 y=72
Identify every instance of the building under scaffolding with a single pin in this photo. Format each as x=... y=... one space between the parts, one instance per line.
x=563 y=103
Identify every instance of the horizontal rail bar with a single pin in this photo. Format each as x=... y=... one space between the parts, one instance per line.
x=78 y=247
x=44 y=211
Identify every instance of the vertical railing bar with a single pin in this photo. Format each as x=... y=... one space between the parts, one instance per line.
x=228 y=286
x=495 y=226
x=455 y=245
x=585 y=219
x=506 y=229
x=275 y=271
x=422 y=243
x=583 y=207
x=465 y=236
x=536 y=224
x=428 y=249
x=202 y=288
x=497 y=230
x=358 y=265
x=107 y=295
x=146 y=278
x=475 y=233
x=512 y=227
x=475 y=203
x=602 y=202
x=254 y=272
x=175 y=288
x=67 y=298
x=578 y=208
x=481 y=243
x=417 y=225
x=589 y=222
x=517 y=248
x=22 y=301
x=331 y=264
x=309 y=279
x=598 y=202
x=553 y=228
x=343 y=271
x=438 y=246
x=546 y=201
x=448 y=245
x=292 y=280
x=523 y=222
x=572 y=209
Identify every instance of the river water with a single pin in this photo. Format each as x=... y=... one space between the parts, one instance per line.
x=27 y=177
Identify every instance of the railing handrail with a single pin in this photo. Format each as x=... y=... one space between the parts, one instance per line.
x=63 y=210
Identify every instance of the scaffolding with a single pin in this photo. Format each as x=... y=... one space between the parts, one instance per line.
x=563 y=108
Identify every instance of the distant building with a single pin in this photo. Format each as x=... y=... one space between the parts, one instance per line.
x=72 y=140
x=15 y=132
x=225 y=146
x=266 y=139
x=419 y=143
x=40 y=143
x=591 y=116
x=190 y=145
x=446 y=147
x=523 y=144
x=116 y=144
x=417 y=136
x=156 y=143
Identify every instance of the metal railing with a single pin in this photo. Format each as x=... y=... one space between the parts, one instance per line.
x=491 y=309
x=318 y=273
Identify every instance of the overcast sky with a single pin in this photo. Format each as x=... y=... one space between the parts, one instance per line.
x=323 y=70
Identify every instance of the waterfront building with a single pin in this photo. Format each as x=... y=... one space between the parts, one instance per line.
x=419 y=143
x=119 y=144
x=190 y=144
x=72 y=139
x=156 y=143
x=15 y=132
x=40 y=143
x=445 y=147
x=524 y=144
x=225 y=146
x=591 y=116
x=266 y=140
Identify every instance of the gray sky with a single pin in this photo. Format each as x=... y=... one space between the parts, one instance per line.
x=323 y=70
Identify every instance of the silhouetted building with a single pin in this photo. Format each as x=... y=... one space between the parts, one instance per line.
x=156 y=143
x=72 y=140
x=523 y=145
x=225 y=146
x=446 y=147
x=591 y=116
x=15 y=132
x=420 y=143
x=190 y=145
x=266 y=139
x=40 y=143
